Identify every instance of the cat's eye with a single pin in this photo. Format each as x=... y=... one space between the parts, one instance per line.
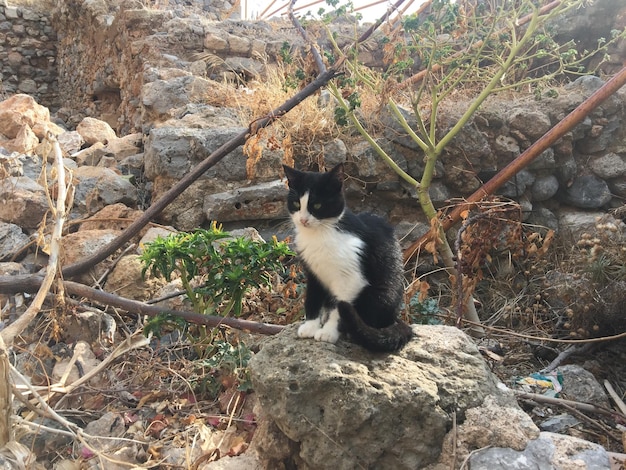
x=296 y=204
x=317 y=206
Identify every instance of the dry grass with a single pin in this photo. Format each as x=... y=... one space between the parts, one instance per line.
x=39 y=5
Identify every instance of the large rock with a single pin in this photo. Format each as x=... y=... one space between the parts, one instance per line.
x=327 y=406
x=94 y=130
x=98 y=187
x=20 y=110
x=11 y=239
x=161 y=97
x=22 y=201
x=173 y=152
x=549 y=451
x=256 y=202
x=587 y=192
x=83 y=244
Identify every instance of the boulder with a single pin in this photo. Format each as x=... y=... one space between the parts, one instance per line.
x=587 y=192
x=173 y=152
x=338 y=406
x=22 y=201
x=161 y=97
x=256 y=202
x=20 y=110
x=98 y=187
x=94 y=130
x=12 y=238
x=79 y=245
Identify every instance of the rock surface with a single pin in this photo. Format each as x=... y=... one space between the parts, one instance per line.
x=338 y=406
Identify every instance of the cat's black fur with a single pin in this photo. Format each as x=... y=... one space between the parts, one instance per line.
x=367 y=289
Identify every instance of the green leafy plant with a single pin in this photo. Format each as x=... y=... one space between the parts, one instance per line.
x=226 y=363
x=216 y=270
x=424 y=312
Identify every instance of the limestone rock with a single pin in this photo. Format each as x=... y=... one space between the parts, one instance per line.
x=70 y=142
x=172 y=152
x=256 y=202
x=98 y=187
x=25 y=141
x=90 y=156
x=94 y=130
x=126 y=280
x=82 y=244
x=11 y=239
x=20 y=110
x=161 y=97
x=126 y=146
x=22 y=201
x=549 y=451
x=339 y=407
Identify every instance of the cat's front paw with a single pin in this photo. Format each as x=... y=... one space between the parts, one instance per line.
x=328 y=334
x=309 y=328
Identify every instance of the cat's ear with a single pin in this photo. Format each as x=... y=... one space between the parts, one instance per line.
x=337 y=173
x=292 y=174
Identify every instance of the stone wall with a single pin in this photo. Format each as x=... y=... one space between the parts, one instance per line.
x=28 y=61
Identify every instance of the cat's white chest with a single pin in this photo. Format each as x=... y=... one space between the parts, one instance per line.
x=335 y=259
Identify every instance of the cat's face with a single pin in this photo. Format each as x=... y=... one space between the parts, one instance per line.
x=315 y=198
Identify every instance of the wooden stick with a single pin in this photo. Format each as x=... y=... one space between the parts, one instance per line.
x=588 y=407
x=134 y=306
x=618 y=401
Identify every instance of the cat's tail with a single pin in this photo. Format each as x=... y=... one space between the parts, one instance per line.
x=388 y=339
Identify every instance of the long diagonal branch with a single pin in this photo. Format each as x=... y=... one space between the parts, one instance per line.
x=530 y=154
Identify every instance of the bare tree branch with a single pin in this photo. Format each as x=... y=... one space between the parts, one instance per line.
x=134 y=306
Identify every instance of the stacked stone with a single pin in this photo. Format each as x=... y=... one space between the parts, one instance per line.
x=27 y=54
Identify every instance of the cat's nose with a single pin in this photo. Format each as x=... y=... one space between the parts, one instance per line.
x=304 y=221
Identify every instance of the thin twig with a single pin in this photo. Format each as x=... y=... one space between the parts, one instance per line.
x=319 y=63
x=618 y=401
x=110 y=268
x=134 y=306
x=592 y=422
x=588 y=407
x=570 y=350
x=538 y=338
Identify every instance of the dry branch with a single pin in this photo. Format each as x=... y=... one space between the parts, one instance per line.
x=134 y=306
x=587 y=407
x=530 y=154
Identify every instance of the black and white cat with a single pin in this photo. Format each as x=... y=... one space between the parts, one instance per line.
x=353 y=265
